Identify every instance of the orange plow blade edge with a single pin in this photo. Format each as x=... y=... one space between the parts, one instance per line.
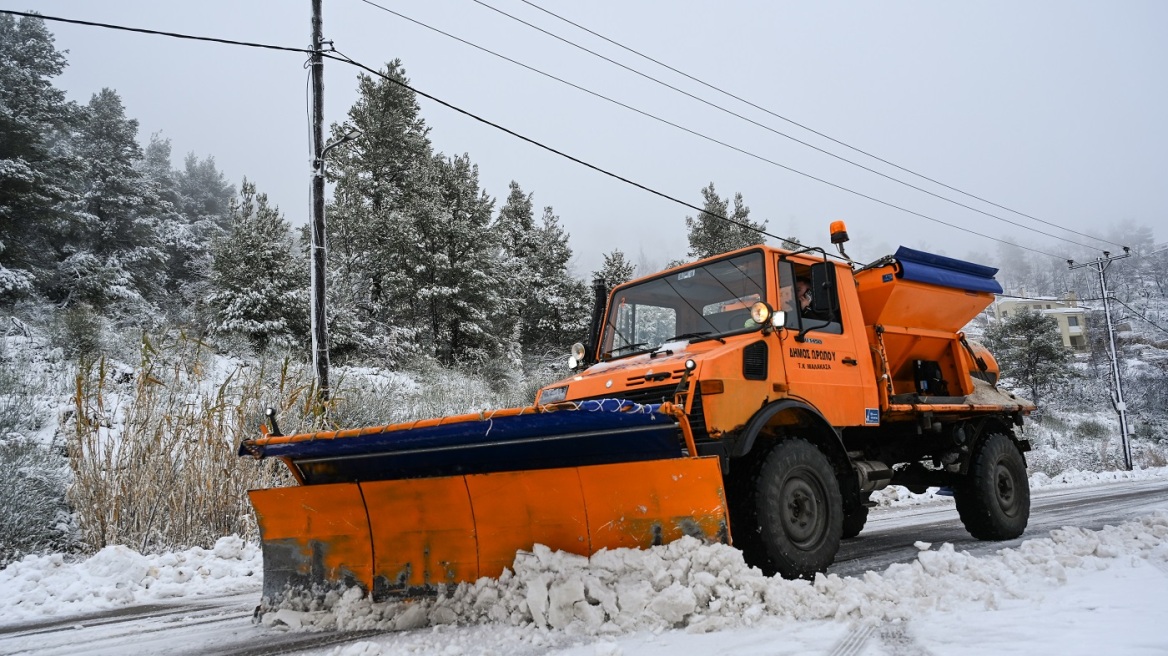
x=408 y=537
x=404 y=509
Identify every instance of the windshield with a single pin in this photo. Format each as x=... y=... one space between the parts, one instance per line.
x=702 y=301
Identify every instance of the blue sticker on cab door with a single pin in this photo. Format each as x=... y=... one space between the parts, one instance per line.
x=871 y=416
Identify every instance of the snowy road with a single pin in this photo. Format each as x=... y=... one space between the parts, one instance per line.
x=889 y=535
x=222 y=625
x=211 y=626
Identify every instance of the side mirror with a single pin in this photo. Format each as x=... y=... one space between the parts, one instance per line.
x=823 y=296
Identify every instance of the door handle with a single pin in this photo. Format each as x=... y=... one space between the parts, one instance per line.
x=851 y=362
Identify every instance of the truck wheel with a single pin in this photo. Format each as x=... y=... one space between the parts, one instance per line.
x=993 y=500
x=799 y=509
x=854 y=521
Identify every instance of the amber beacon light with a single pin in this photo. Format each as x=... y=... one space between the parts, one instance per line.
x=839 y=232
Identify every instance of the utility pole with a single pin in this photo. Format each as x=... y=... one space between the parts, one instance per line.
x=1100 y=266
x=320 y=353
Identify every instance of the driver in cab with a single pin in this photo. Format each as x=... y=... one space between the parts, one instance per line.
x=803 y=294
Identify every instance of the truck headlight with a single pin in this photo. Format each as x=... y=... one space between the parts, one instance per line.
x=576 y=355
x=760 y=312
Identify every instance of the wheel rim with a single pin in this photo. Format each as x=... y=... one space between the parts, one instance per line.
x=802 y=509
x=1006 y=489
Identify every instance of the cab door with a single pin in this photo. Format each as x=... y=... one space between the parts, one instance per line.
x=824 y=347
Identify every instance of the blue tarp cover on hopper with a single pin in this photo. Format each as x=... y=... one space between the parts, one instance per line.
x=596 y=432
x=920 y=266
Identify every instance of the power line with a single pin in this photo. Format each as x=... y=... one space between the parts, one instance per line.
x=773 y=130
x=343 y=58
x=788 y=120
x=1133 y=311
x=249 y=44
x=701 y=135
x=1050 y=299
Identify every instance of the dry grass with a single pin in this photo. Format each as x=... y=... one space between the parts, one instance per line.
x=153 y=451
x=153 y=447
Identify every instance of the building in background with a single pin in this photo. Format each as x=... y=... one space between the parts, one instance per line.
x=1071 y=317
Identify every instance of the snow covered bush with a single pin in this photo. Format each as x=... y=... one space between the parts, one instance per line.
x=34 y=516
x=1085 y=442
x=425 y=389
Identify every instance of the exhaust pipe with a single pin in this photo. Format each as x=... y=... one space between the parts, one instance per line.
x=599 y=301
x=873 y=475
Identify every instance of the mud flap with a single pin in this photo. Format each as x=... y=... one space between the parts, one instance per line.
x=410 y=537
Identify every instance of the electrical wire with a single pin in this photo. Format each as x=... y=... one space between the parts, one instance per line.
x=1084 y=300
x=338 y=56
x=249 y=44
x=770 y=129
x=701 y=135
x=1133 y=311
x=780 y=117
x=1039 y=298
x=341 y=57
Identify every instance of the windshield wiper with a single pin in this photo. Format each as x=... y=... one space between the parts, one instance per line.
x=626 y=347
x=702 y=333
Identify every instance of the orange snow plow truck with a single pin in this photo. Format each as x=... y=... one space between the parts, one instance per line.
x=755 y=398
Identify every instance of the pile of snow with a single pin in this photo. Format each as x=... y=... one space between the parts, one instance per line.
x=119 y=576
x=703 y=588
x=1076 y=478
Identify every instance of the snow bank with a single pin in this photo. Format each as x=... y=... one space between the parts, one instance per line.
x=119 y=576
x=897 y=496
x=703 y=588
x=1076 y=478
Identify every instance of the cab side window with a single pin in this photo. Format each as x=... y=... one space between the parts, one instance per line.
x=809 y=297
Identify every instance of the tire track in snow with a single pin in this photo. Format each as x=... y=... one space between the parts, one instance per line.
x=122 y=630
x=854 y=641
x=115 y=616
x=295 y=643
x=899 y=641
x=894 y=636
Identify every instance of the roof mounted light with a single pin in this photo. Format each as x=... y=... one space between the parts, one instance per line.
x=839 y=235
x=839 y=232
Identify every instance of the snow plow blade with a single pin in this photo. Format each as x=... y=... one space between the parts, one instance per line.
x=432 y=505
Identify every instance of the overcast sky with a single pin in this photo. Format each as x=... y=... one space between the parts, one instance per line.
x=1056 y=109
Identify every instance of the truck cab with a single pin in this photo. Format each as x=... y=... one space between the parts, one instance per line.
x=732 y=327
